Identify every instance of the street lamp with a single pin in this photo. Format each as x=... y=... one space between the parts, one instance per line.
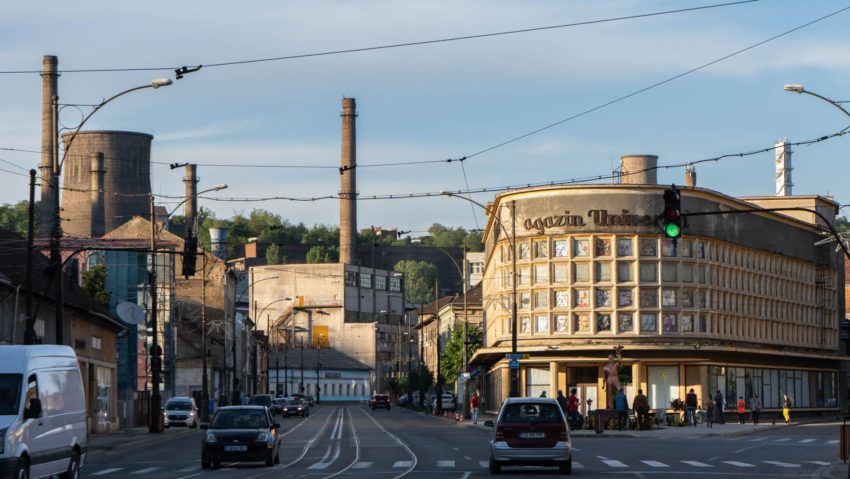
x=797 y=88
x=155 y=350
x=234 y=392
x=56 y=227
x=514 y=386
x=268 y=332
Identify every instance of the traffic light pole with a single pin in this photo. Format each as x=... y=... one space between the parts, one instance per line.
x=156 y=423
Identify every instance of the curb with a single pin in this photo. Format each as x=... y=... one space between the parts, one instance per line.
x=95 y=451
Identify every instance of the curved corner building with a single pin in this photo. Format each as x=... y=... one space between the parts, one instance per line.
x=742 y=303
x=91 y=211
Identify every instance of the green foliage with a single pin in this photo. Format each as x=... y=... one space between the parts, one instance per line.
x=275 y=254
x=419 y=278
x=368 y=237
x=842 y=224
x=420 y=379
x=94 y=283
x=396 y=386
x=451 y=361
x=322 y=254
x=16 y=217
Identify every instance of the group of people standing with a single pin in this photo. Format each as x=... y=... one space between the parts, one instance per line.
x=754 y=405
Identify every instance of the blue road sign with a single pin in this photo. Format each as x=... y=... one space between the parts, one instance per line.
x=513 y=364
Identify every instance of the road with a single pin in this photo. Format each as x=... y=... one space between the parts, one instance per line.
x=352 y=441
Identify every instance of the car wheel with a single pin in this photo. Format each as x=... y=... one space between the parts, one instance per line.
x=73 y=471
x=195 y=423
x=277 y=457
x=205 y=464
x=23 y=469
x=494 y=466
x=270 y=460
x=216 y=464
x=566 y=467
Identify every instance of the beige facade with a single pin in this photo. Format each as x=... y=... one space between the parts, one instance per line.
x=741 y=303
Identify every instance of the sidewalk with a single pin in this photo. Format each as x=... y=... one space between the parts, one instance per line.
x=100 y=444
x=728 y=429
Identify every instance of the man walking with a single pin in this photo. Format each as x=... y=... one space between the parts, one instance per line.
x=621 y=404
x=709 y=412
x=572 y=408
x=641 y=406
x=474 y=401
x=786 y=407
x=755 y=407
x=691 y=407
x=718 y=408
x=742 y=410
x=562 y=403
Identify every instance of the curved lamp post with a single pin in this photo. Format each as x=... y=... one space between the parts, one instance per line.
x=797 y=88
x=514 y=386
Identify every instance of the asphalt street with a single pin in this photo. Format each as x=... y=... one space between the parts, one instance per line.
x=352 y=441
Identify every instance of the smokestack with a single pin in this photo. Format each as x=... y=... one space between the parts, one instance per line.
x=690 y=176
x=782 y=159
x=190 y=211
x=96 y=196
x=49 y=183
x=348 y=185
x=639 y=169
x=218 y=242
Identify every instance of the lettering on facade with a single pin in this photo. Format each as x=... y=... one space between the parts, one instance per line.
x=602 y=218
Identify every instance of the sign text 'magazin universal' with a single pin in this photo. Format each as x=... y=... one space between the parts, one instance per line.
x=597 y=218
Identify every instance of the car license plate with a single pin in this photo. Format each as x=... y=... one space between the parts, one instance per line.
x=235 y=448
x=532 y=435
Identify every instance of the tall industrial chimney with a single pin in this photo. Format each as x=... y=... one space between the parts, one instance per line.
x=348 y=185
x=690 y=176
x=782 y=159
x=96 y=196
x=49 y=184
x=190 y=211
x=639 y=169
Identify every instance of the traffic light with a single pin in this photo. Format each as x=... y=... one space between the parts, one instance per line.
x=190 y=251
x=671 y=217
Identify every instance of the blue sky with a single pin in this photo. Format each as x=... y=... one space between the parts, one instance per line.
x=436 y=101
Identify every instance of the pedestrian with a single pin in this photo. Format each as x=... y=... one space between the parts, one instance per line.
x=787 y=402
x=691 y=407
x=755 y=408
x=572 y=408
x=562 y=402
x=742 y=410
x=621 y=404
x=709 y=412
x=641 y=407
x=718 y=408
x=474 y=401
x=543 y=394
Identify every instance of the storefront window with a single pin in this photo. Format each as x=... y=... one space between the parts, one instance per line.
x=624 y=247
x=537 y=381
x=649 y=322
x=582 y=323
x=561 y=248
x=581 y=247
x=625 y=322
x=541 y=249
x=663 y=382
x=625 y=297
x=648 y=247
x=603 y=322
x=603 y=297
x=562 y=299
x=603 y=247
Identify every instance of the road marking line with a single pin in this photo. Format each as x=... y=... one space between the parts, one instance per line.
x=466 y=475
x=402 y=463
x=146 y=470
x=187 y=469
x=445 y=464
x=190 y=475
x=784 y=439
x=781 y=464
x=654 y=464
x=819 y=463
x=804 y=441
x=738 y=464
x=758 y=439
x=107 y=471
x=834 y=441
x=578 y=465
x=696 y=463
x=363 y=465
x=487 y=464
x=320 y=465
x=614 y=463
x=467 y=458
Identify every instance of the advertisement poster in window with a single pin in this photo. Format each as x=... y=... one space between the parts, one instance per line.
x=624 y=247
x=582 y=298
x=561 y=323
x=603 y=322
x=670 y=323
x=624 y=297
x=648 y=323
x=647 y=247
x=603 y=247
x=626 y=322
x=582 y=323
x=582 y=247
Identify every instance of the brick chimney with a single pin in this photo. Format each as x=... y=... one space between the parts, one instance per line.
x=348 y=185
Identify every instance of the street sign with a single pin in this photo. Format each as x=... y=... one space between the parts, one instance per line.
x=513 y=364
x=514 y=356
x=464 y=375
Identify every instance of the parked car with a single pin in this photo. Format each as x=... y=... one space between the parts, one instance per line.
x=277 y=405
x=181 y=411
x=41 y=436
x=380 y=400
x=295 y=407
x=243 y=434
x=306 y=397
x=262 y=400
x=530 y=432
x=448 y=402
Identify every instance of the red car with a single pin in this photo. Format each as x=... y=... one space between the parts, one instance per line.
x=380 y=400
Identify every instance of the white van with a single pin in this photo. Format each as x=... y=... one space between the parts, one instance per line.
x=42 y=412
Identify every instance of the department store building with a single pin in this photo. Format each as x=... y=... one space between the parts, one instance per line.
x=742 y=303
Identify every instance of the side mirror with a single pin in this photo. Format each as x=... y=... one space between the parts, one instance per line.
x=276 y=425
x=489 y=424
x=204 y=426
x=34 y=409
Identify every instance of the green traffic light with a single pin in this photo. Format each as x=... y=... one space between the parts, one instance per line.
x=672 y=230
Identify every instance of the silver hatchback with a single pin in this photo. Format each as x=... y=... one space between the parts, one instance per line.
x=530 y=432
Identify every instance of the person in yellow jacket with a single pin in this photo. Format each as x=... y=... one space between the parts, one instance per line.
x=786 y=407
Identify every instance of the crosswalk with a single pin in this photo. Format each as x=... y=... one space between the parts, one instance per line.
x=467 y=465
x=793 y=440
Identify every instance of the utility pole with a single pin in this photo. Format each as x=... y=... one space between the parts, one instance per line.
x=156 y=424
x=29 y=329
x=465 y=409
x=439 y=406
x=514 y=390
x=205 y=394
x=56 y=233
x=318 y=366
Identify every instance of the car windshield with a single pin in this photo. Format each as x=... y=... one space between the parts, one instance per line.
x=240 y=419
x=10 y=393
x=261 y=400
x=297 y=402
x=178 y=406
x=531 y=413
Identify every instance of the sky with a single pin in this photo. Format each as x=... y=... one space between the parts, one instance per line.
x=435 y=101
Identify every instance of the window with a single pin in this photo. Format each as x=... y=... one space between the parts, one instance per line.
x=668 y=248
x=688 y=323
x=524 y=251
x=625 y=297
x=582 y=323
x=669 y=272
x=561 y=248
x=541 y=249
x=687 y=298
x=541 y=299
x=670 y=323
x=381 y=283
x=524 y=300
x=562 y=299
x=603 y=247
x=648 y=272
x=668 y=297
x=626 y=322
x=96 y=343
x=524 y=276
x=648 y=323
x=603 y=271
x=687 y=273
x=395 y=284
x=648 y=298
x=541 y=273
x=648 y=247
x=477 y=267
x=581 y=247
x=581 y=273
x=560 y=273
x=603 y=322
x=624 y=247
x=561 y=323
x=525 y=325
x=32 y=391
x=624 y=272
x=350 y=278
x=582 y=297
x=541 y=323
x=686 y=249
x=104 y=386
x=365 y=280
x=603 y=297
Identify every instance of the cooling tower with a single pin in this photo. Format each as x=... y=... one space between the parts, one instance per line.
x=218 y=242
x=126 y=180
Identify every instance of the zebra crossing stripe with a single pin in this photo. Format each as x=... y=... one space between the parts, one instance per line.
x=833 y=441
x=654 y=464
x=445 y=464
x=146 y=470
x=738 y=464
x=781 y=464
x=403 y=464
x=784 y=439
x=107 y=471
x=758 y=439
x=487 y=464
x=613 y=463
x=804 y=441
x=819 y=463
x=362 y=465
x=189 y=469
x=695 y=463
x=578 y=465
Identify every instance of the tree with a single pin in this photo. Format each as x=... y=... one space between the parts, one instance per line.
x=421 y=379
x=419 y=277
x=842 y=225
x=275 y=254
x=451 y=361
x=323 y=254
x=16 y=217
x=94 y=283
